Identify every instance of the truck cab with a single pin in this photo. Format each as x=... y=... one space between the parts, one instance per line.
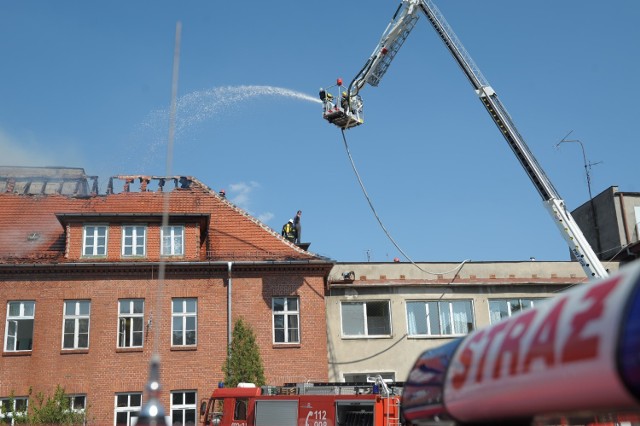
x=306 y=405
x=229 y=406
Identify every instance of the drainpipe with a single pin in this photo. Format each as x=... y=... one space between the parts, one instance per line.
x=229 y=267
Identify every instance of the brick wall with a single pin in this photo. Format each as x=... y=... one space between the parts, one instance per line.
x=104 y=370
x=287 y=362
x=75 y=242
x=51 y=269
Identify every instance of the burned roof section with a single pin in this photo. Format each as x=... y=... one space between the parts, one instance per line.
x=36 y=227
x=47 y=180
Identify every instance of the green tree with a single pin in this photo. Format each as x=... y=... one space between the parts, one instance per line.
x=49 y=410
x=243 y=363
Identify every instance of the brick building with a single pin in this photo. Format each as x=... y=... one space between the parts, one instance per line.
x=93 y=284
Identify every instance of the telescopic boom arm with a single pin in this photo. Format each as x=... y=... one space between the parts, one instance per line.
x=392 y=39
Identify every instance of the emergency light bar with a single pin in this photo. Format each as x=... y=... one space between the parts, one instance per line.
x=576 y=353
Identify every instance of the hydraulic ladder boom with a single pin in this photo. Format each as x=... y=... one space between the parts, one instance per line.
x=395 y=34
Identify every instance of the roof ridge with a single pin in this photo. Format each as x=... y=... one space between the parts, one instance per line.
x=254 y=219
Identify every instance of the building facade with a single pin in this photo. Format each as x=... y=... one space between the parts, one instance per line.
x=93 y=285
x=382 y=316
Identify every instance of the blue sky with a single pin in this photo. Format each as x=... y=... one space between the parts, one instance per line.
x=88 y=84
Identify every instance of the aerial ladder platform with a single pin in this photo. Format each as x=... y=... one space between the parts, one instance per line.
x=395 y=34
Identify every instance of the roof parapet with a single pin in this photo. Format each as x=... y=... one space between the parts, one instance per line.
x=47 y=185
x=179 y=182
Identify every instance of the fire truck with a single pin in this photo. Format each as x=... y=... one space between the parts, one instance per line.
x=308 y=404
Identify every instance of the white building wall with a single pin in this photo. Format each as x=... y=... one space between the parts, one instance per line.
x=397 y=283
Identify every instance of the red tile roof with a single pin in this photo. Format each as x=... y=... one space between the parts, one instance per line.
x=30 y=232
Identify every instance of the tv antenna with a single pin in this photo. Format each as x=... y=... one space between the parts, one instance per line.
x=587 y=164
x=587 y=171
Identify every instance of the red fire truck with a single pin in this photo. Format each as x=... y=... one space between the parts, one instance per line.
x=308 y=404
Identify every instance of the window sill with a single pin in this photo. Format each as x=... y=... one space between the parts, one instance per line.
x=286 y=345
x=436 y=337
x=367 y=337
x=17 y=353
x=184 y=348
x=74 y=351
x=127 y=350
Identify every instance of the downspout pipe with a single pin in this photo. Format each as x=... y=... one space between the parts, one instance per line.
x=229 y=282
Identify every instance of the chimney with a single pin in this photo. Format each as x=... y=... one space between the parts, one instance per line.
x=144 y=181
x=11 y=184
x=127 y=184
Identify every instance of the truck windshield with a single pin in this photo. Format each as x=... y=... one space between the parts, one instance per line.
x=212 y=410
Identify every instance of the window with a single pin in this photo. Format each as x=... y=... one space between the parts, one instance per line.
x=95 y=240
x=11 y=409
x=183 y=408
x=184 y=315
x=439 y=318
x=77 y=403
x=134 y=240
x=499 y=309
x=286 y=320
x=172 y=240
x=128 y=406
x=75 y=333
x=19 y=329
x=130 y=323
x=366 y=318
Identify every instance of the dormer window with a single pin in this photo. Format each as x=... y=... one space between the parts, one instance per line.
x=173 y=240
x=133 y=236
x=134 y=240
x=95 y=240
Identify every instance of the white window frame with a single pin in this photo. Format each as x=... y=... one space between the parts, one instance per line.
x=97 y=250
x=184 y=407
x=130 y=240
x=445 y=308
x=175 y=240
x=75 y=318
x=13 y=322
x=492 y=317
x=132 y=411
x=127 y=319
x=9 y=415
x=181 y=316
x=365 y=326
x=73 y=399
x=287 y=315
